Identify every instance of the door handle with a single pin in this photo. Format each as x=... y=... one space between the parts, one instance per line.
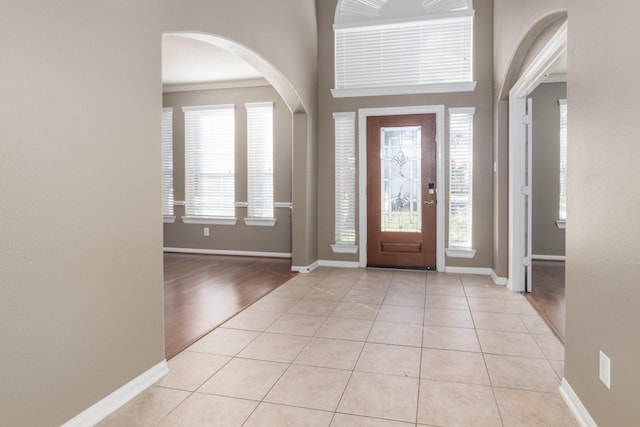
x=429 y=202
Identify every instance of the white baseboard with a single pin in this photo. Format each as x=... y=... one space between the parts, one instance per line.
x=100 y=410
x=549 y=257
x=305 y=269
x=575 y=405
x=502 y=281
x=338 y=264
x=225 y=252
x=468 y=270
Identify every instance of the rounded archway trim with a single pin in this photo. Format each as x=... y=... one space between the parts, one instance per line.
x=523 y=48
x=268 y=70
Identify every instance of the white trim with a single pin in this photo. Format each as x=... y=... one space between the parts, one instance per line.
x=228 y=252
x=405 y=90
x=207 y=107
x=556 y=78
x=100 y=410
x=502 y=281
x=168 y=219
x=229 y=84
x=460 y=253
x=468 y=270
x=260 y=222
x=305 y=269
x=344 y=249
x=402 y=21
x=561 y=224
x=209 y=220
x=575 y=405
x=179 y=203
x=439 y=111
x=538 y=70
x=549 y=257
x=258 y=104
x=462 y=110
x=338 y=264
x=543 y=65
x=344 y=115
x=286 y=205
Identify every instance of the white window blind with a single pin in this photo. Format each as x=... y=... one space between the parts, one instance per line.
x=210 y=161
x=460 y=177
x=562 y=214
x=260 y=159
x=167 y=161
x=345 y=179
x=411 y=53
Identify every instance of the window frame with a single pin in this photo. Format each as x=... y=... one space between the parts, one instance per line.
x=455 y=249
x=260 y=156
x=195 y=213
x=356 y=53
x=168 y=212
x=345 y=182
x=562 y=199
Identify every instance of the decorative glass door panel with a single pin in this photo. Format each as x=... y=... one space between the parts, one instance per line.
x=401 y=193
x=400 y=162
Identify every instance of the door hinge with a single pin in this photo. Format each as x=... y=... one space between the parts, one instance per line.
x=525 y=190
x=526 y=119
x=526 y=261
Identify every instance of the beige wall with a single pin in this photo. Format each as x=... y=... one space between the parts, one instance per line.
x=480 y=98
x=80 y=253
x=239 y=237
x=547 y=238
x=602 y=268
x=81 y=312
x=603 y=204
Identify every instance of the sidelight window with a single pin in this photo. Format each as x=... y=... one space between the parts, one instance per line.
x=460 y=178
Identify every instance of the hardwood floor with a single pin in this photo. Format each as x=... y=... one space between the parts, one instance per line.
x=202 y=291
x=548 y=294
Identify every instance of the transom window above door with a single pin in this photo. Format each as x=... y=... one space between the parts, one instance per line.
x=392 y=47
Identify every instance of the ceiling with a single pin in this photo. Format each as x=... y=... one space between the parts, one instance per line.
x=188 y=61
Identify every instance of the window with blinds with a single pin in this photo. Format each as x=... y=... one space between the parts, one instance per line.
x=345 y=182
x=167 y=161
x=405 y=52
x=210 y=161
x=562 y=213
x=460 y=177
x=260 y=159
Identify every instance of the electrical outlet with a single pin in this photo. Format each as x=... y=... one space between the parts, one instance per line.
x=605 y=370
x=206 y=231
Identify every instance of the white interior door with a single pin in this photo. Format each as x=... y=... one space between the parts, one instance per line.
x=520 y=194
x=528 y=195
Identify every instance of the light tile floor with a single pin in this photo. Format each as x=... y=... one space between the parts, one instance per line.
x=340 y=347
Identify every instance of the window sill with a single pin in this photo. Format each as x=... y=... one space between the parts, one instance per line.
x=460 y=253
x=341 y=248
x=405 y=90
x=260 y=222
x=168 y=219
x=209 y=220
x=562 y=225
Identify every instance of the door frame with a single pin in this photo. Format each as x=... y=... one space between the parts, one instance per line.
x=544 y=63
x=363 y=114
